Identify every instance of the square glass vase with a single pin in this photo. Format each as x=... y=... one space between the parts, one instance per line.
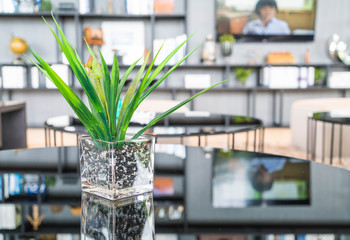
x=116 y=170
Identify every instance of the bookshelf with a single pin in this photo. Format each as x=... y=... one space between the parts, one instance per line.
x=77 y=21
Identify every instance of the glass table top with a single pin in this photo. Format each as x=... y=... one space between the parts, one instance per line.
x=183 y=124
x=199 y=193
x=340 y=116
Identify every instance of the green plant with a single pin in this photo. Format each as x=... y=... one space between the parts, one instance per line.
x=103 y=89
x=320 y=74
x=227 y=38
x=242 y=74
x=46 y=6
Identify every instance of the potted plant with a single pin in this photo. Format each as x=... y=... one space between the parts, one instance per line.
x=242 y=74
x=320 y=75
x=113 y=165
x=226 y=43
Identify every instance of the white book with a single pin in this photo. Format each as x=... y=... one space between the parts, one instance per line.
x=84 y=6
x=169 y=45
x=283 y=77
x=197 y=81
x=9 y=216
x=139 y=7
x=339 y=79
x=7 y=6
x=35 y=77
x=14 y=76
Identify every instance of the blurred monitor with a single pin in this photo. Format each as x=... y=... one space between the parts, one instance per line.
x=266 y=20
x=242 y=181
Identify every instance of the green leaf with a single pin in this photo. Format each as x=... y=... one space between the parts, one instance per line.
x=113 y=94
x=144 y=86
x=84 y=80
x=106 y=82
x=127 y=100
x=73 y=100
x=171 y=110
x=131 y=107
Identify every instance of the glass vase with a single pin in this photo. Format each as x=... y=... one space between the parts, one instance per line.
x=127 y=218
x=116 y=170
x=226 y=48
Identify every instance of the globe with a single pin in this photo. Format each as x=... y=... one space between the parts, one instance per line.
x=18 y=46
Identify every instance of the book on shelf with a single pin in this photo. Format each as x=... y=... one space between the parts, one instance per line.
x=339 y=79
x=197 y=81
x=14 y=76
x=139 y=7
x=166 y=236
x=288 y=77
x=169 y=45
x=7 y=6
x=10 y=216
x=1 y=188
x=163 y=6
x=85 y=6
x=67 y=236
x=35 y=77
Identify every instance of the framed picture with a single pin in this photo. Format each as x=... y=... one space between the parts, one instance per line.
x=126 y=39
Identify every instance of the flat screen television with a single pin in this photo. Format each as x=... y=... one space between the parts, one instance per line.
x=266 y=20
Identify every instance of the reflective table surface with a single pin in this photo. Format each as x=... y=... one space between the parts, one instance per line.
x=341 y=116
x=199 y=193
x=195 y=123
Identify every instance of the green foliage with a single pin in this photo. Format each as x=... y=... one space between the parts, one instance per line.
x=103 y=89
x=46 y=6
x=320 y=74
x=242 y=74
x=227 y=38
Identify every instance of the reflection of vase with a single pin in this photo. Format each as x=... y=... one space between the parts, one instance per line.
x=128 y=218
x=116 y=170
x=226 y=48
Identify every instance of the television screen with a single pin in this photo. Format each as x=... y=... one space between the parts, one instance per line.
x=242 y=181
x=270 y=20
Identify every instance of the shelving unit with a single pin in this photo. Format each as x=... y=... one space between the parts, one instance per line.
x=227 y=70
x=78 y=21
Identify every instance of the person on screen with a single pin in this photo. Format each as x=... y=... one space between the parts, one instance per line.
x=267 y=23
x=262 y=172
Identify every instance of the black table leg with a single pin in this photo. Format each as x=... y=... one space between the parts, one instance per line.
x=254 y=140
x=54 y=138
x=233 y=141
x=307 y=138
x=263 y=139
x=340 y=142
x=332 y=139
x=314 y=140
x=49 y=135
x=323 y=141
x=45 y=129
x=247 y=140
